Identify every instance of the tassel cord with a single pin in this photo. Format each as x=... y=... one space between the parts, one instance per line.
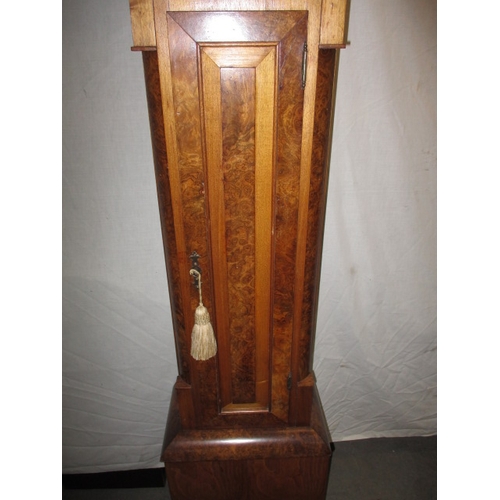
x=194 y=272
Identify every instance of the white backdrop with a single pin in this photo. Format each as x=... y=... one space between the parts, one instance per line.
x=376 y=341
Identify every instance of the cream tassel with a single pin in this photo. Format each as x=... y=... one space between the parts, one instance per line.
x=203 y=343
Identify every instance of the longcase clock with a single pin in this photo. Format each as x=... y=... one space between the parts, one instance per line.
x=240 y=97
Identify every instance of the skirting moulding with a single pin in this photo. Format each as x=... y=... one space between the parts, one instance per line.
x=241 y=97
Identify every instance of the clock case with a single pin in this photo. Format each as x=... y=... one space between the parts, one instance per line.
x=241 y=111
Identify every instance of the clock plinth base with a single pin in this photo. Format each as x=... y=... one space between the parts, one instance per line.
x=290 y=463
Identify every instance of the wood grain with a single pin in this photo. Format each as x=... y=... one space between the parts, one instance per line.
x=317 y=205
x=153 y=93
x=143 y=25
x=238 y=130
x=289 y=135
x=239 y=27
x=334 y=14
x=265 y=137
x=303 y=203
x=300 y=478
x=289 y=154
x=249 y=463
x=245 y=186
x=239 y=124
x=212 y=139
x=192 y=189
x=234 y=444
x=238 y=170
x=237 y=5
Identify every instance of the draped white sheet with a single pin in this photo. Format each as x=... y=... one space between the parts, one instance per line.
x=375 y=350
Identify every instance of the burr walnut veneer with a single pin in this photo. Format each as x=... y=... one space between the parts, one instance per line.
x=240 y=98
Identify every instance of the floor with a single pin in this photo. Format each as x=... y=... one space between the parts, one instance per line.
x=370 y=469
x=384 y=469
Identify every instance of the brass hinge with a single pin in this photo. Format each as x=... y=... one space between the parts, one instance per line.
x=304 y=65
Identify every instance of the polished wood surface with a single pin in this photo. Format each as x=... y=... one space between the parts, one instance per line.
x=323 y=124
x=252 y=464
x=292 y=478
x=142 y=23
x=334 y=14
x=240 y=189
x=241 y=147
x=238 y=97
x=245 y=5
x=156 y=119
x=249 y=443
x=238 y=116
